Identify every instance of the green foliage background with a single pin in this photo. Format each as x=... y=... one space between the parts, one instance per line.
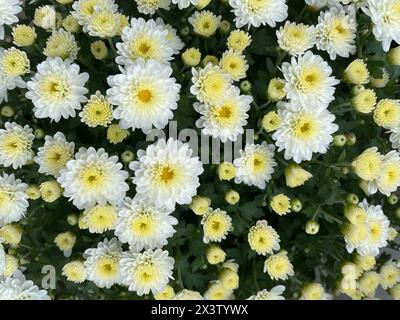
x=322 y=197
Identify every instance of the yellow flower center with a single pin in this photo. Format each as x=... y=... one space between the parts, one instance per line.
x=143 y=47
x=304 y=127
x=107 y=267
x=56 y=158
x=309 y=79
x=254 y=6
x=93 y=177
x=15 y=144
x=147 y=273
x=54 y=88
x=143 y=225
x=5 y=197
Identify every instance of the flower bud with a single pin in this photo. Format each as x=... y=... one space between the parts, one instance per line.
x=296 y=205
x=312 y=227
x=339 y=140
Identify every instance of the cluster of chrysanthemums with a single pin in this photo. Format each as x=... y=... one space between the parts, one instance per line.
x=144 y=93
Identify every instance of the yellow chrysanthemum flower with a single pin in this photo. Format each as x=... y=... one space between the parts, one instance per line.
x=296 y=176
x=216 y=225
x=61 y=44
x=100 y=218
x=392 y=234
x=365 y=263
x=65 y=241
x=33 y=192
x=263 y=238
x=389 y=274
x=238 y=40
x=228 y=278
x=74 y=271
x=11 y=233
x=271 y=121
x=70 y=24
x=191 y=57
x=280 y=204
x=115 y=134
x=99 y=50
x=232 y=197
x=364 y=101
x=50 y=190
x=23 y=35
x=167 y=294
x=278 y=266
x=205 y=23
x=368 y=283
x=312 y=291
x=355 y=233
x=357 y=72
x=226 y=171
x=98 y=111
x=368 y=164
x=312 y=227
x=355 y=214
x=217 y=291
x=234 y=63
x=14 y=62
x=200 y=205
x=215 y=254
x=276 y=90
x=387 y=113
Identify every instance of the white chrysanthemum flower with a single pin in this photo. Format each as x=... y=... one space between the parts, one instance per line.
x=93 y=178
x=385 y=14
x=258 y=12
x=274 y=294
x=15 y=145
x=144 y=39
x=8 y=83
x=356 y=3
x=144 y=226
x=210 y=84
x=227 y=119
x=2 y=261
x=166 y=173
x=255 y=164
x=395 y=138
x=145 y=94
x=388 y=179
x=61 y=44
x=57 y=89
x=318 y=4
x=309 y=82
x=303 y=131
x=182 y=4
x=13 y=199
x=54 y=154
x=172 y=38
x=147 y=271
x=295 y=38
x=9 y=9
x=151 y=6
x=17 y=287
x=102 y=264
x=83 y=10
x=336 y=32
x=377 y=231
